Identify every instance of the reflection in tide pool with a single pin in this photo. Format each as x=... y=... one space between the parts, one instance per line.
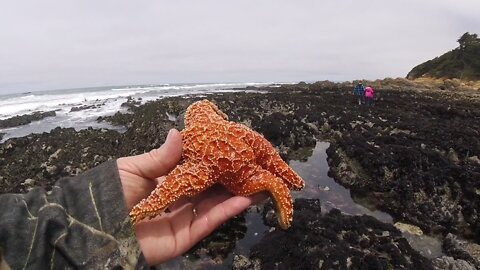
x=332 y=195
x=318 y=186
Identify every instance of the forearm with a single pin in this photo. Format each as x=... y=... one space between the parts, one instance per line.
x=82 y=223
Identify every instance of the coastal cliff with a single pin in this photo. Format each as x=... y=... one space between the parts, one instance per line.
x=461 y=63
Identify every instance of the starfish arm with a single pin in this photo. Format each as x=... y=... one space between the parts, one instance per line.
x=263 y=180
x=271 y=161
x=186 y=179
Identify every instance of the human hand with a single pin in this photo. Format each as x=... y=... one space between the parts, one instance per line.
x=189 y=219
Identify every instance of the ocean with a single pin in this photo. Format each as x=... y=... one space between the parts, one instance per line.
x=104 y=101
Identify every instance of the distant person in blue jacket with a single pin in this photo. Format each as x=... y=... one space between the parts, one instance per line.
x=359 y=91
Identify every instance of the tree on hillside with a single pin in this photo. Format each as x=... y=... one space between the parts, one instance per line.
x=463 y=62
x=468 y=40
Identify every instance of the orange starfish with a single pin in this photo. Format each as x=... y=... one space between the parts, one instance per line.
x=218 y=151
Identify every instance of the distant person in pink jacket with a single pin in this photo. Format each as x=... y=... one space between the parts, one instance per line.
x=369 y=95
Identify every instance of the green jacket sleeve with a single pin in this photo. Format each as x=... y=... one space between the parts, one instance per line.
x=81 y=223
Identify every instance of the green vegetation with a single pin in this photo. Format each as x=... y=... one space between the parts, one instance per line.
x=462 y=63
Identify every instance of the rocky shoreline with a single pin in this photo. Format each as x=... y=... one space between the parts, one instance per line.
x=24 y=119
x=414 y=154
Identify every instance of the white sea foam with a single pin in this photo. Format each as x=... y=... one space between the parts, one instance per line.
x=57 y=100
x=107 y=101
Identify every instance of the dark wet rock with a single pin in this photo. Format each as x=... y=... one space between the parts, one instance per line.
x=40 y=159
x=335 y=241
x=85 y=107
x=28 y=184
x=450 y=263
x=1 y=135
x=130 y=104
x=473 y=160
x=249 y=88
x=241 y=262
x=118 y=119
x=147 y=126
x=322 y=85
x=410 y=159
x=461 y=249
x=287 y=129
x=20 y=120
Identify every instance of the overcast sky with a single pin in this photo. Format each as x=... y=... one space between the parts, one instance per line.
x=66 y=44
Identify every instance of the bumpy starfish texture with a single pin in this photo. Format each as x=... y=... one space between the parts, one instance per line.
x=218 y=151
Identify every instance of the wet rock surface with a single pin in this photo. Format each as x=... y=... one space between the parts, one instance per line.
x=414 y=153
x=40 y=159
x=450 y=263
x=461 y=249
x=85 y=107
x=416 y=162
x=335 y=241
x=24 y=119
x=131 y=103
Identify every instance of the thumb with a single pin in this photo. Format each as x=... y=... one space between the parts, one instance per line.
x=157 y=162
